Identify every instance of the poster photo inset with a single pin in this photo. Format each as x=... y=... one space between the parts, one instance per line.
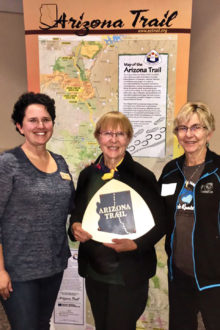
x=117 y=211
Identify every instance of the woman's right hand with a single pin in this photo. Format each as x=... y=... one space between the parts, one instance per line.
x=5 y=284
x=80 y=234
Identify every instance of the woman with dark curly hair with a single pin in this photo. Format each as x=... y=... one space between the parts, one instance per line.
x=36 y=193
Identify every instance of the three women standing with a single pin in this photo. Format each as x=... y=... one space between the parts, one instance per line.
x=36 y=193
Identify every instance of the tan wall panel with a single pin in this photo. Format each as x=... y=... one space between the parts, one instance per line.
x=13 y=80
x=204 y=66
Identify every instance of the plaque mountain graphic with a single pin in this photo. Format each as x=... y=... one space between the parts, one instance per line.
x=116 y=213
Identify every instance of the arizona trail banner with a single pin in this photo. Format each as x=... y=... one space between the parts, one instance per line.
x=93 y=57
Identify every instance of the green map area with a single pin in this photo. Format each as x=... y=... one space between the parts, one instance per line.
x=70 y=73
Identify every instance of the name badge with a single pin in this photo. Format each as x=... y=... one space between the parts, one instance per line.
x=168 y=189
x=65 y=176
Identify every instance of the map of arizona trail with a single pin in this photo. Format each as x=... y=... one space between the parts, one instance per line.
x=81 y=74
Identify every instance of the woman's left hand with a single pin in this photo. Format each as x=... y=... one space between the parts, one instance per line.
x=122 y=245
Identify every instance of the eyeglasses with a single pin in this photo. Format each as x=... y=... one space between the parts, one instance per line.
x=109 y=135
x=193 y=129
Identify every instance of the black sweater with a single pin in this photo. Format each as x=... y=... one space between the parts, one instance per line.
x=206 y=230
x=136 y=266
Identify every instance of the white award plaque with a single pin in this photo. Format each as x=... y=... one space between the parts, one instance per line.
x=117 y=211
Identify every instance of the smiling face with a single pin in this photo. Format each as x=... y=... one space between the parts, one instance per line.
x=113 y=147
x=37 y=125
x=194 y=142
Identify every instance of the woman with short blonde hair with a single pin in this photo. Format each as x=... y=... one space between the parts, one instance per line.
x=191 y=190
